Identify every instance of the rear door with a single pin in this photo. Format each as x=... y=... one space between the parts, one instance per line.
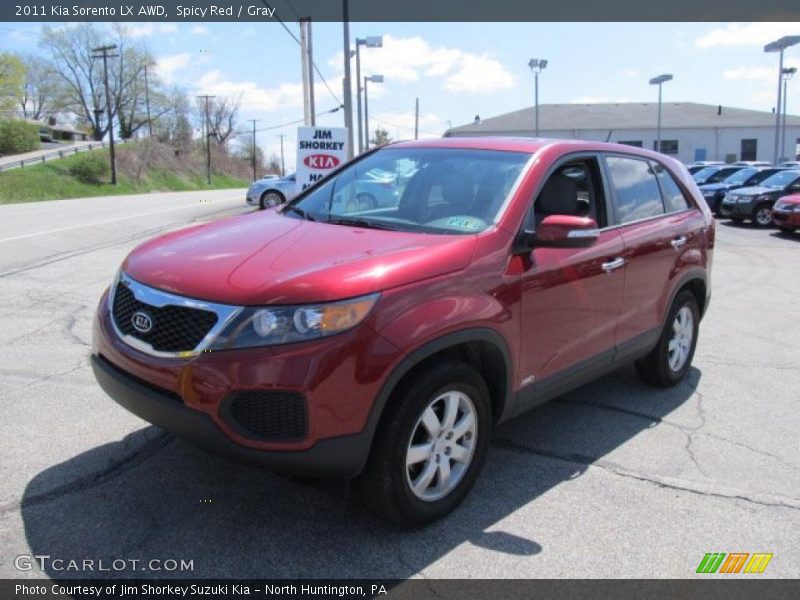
x=660 y=228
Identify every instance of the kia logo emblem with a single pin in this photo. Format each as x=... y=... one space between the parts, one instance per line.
x=141 y=322
x=321 y=161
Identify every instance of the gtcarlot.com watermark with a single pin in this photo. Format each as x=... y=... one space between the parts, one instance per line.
x=45 y=562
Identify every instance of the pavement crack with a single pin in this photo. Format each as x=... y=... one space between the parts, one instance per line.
x=110 y=471
x=618 y=470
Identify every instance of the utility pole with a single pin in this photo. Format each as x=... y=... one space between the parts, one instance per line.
x=147 y=98
x=307 y=111
x=310 y=61
x=416 y=119
x=254 y=121
x=283 y=166
x=104 y=50
x=206 y=127
x=348 y=101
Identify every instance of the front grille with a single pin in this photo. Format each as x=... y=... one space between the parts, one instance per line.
x=173 y=328
x=267 y=415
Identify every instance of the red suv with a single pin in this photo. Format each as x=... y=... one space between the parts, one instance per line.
x=330 y=338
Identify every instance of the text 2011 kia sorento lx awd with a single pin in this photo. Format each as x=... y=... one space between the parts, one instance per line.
x=331 y=337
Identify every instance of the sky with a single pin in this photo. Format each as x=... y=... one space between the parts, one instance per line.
x=459 y=70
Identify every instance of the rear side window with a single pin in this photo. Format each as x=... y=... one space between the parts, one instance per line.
x=674 y=200
x=636 y=192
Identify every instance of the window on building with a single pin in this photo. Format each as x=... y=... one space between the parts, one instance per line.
x=636 y=192
x=749 y=149
x=667 y=146
x=635 y=143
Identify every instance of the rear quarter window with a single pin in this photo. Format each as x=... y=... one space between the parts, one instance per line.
x=674 y=200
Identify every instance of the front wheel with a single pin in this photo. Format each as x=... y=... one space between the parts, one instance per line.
x=763 y=216
x=430 y=446
x=271 y=199
x=668 y=363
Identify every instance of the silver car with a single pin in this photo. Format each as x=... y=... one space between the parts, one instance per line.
x=271 y=191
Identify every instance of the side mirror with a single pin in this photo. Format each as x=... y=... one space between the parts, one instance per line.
x=566 y=231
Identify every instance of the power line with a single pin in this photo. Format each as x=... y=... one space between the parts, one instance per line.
x=272 y=127
x=297 y=40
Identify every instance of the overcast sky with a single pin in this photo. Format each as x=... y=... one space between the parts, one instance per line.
x=459 y=70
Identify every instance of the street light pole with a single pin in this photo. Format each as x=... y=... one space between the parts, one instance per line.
x=659 y=81
x=536 y=66
x=104 y=54
x=372 y=41
x=254 y=121
x=787 y=75
x=283 y=166
x=373 y=79
x=779 y=46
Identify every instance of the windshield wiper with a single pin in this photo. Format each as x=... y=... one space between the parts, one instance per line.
x=300 y=212
x=357 y=222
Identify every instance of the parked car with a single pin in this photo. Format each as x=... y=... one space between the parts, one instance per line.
x=786 y=213
x=755 y=203
x=695 y=166
x=271 y=191
x=751 y=163
x=385 y=344
x=790 y=164
x=748 y=176
x=714 y=174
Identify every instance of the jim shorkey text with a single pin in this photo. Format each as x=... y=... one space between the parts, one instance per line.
x=124 y=590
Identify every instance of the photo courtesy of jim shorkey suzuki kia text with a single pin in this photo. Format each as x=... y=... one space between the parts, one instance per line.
x=192 y=590
x=123 y=11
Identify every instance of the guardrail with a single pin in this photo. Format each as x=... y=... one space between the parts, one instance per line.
x=58 y=154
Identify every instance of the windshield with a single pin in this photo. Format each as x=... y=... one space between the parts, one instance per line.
x=781 y=180
x=762 y=175
x=433 y=190
x=740 y=176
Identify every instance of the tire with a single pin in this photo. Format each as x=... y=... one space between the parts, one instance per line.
x=271 y=199
x=762 y=215
x=666 y=367
x=385 y=485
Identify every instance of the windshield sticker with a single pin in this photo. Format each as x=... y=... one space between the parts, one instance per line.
x=464 y=223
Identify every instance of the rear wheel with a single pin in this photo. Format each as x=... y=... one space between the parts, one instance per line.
x=430 y=446
x=668 y=363
x=762 y=216
x=271 y=199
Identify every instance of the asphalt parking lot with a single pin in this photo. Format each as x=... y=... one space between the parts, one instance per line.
x=616 y=479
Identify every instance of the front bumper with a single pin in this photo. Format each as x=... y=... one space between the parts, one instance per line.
x=786 y=218
x=339 y=378
x=736 y=210
x=342 y=456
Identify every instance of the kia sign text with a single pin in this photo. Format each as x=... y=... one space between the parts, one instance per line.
x=320 y=150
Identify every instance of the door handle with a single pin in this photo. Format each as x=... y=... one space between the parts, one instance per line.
x=613 y=264
x=678 y=242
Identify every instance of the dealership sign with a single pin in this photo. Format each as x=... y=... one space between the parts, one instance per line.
x=320 y=150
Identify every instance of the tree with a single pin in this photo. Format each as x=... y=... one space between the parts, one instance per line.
x=222 y=114
x=80 y=76
x=39 y=91
x=12 y=78
x=173 y=125
x=274 y=165
x=381 y=137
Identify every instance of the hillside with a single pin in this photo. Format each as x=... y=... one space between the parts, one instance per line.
x=144 y=166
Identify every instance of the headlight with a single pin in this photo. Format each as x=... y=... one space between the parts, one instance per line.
x=763 y=198
x=745 y=199
x=267 y=326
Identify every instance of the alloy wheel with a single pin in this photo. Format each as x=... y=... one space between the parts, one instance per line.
x=441 y=446
x=680 y=344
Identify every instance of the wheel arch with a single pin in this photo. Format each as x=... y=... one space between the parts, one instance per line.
x=696 y=282
x=482 y=348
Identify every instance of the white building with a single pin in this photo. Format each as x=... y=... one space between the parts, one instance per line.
x=689 y=131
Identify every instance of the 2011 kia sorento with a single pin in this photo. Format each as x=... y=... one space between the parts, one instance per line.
x=384 y=344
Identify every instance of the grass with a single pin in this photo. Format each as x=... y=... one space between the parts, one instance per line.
x=52 y=181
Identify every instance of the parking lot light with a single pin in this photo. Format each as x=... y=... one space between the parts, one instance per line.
x=659 y=81
x=371 y=41
x=779 y=46
x=788 y=73
x=373 y=79
x=536 y=65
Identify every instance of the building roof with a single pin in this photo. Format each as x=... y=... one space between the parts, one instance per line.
x=623 y=115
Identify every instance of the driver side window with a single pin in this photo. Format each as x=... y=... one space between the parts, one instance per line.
x=575 y=189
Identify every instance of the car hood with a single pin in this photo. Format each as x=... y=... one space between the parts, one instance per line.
x=268 y=258
x=756 y=190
